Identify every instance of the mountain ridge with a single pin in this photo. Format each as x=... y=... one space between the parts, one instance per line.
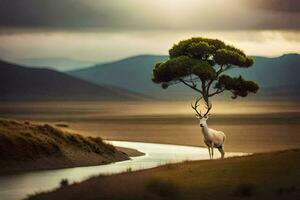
x=56 y=63
x=134 y=73
x=24 y=83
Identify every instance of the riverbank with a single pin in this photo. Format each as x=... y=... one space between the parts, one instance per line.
x=273 y=175
x=28 y=146
x=130 y=152
x=15 y=186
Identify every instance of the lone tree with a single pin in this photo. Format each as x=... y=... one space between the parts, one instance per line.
x=200 y=63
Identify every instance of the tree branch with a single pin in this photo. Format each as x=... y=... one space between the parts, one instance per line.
x=193 y=80
x=220 y=71
x=218 y=91
x=191 y=86
x=211 y=81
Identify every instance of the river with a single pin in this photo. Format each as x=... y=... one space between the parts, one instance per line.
x=15 y=187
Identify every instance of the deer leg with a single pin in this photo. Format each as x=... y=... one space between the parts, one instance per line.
x=209 y=152
x=212 y=151
x=221 y=149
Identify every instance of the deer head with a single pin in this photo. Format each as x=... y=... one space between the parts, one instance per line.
x=202 y=118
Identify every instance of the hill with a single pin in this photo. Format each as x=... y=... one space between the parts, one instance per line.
x=22 y=83
x=260 y=176
x=34 y=146
x=57 y=63
x=277 y=76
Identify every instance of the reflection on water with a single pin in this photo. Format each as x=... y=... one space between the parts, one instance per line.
x=18 y=186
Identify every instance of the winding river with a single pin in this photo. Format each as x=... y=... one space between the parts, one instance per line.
x=15 y=187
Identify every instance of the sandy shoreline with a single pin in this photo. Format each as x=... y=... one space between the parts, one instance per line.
x=130 y=152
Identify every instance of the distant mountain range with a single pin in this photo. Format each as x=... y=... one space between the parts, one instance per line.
x=57 y=63
x=22 y=83
x=130 y=79
x=278 y=77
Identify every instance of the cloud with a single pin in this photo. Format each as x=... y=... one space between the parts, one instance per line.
x=288 y=6
x=109 y=46
x=181 y=15
x=57 y=14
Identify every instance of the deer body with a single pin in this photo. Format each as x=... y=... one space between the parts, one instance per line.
x=212 y=138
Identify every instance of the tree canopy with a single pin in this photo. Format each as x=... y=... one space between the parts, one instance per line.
x=200 y=63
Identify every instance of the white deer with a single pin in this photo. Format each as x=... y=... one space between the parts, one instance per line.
x=212 y=138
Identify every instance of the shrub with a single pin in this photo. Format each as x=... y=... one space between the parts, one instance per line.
x=64 y=182
x=129 y=169
x=98 y=140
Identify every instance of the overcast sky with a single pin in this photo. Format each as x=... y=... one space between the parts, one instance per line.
x=103 y=30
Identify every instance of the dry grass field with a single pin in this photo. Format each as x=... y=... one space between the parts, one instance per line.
x=261 y=176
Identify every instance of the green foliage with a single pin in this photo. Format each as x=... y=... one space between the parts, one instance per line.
x=196 y=47
x=204 y=71
x=232 y=48
x=199 y=50
x=230 y=57
x=204 y=60
x=173 y=69
x=238 y=86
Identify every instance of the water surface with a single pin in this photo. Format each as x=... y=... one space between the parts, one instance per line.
x=14 y=187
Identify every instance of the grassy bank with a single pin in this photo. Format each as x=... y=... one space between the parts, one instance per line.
x=260 y=176
x=35 y=146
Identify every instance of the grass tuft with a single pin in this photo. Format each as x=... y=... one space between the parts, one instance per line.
x=129 y=169
x=64 y=182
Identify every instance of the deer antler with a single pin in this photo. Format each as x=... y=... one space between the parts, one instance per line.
x=196 y=105
x=208 y=107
